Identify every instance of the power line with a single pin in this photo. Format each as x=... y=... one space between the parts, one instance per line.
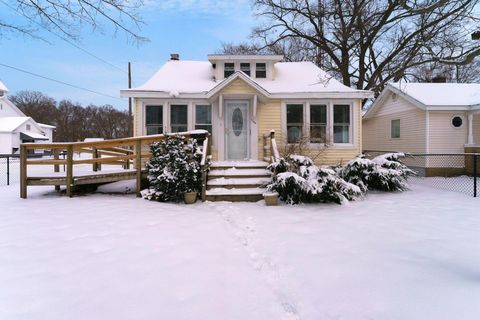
x=64 y=39
x=59 y=81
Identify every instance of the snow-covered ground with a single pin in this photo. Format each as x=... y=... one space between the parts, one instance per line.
x=411 y=255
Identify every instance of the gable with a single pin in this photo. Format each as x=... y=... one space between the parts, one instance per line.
x=8 y=109
x=394 y=103
x=238 y=86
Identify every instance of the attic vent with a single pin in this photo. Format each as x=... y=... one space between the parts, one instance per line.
x=394 y=97
x=174 y=56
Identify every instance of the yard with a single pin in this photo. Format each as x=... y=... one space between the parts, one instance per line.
x=411 y=255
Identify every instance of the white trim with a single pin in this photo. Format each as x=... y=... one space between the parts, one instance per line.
x=237 y=75
x=427 y=136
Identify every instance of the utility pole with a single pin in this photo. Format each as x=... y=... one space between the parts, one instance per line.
x=321 y=34
x=130 y=120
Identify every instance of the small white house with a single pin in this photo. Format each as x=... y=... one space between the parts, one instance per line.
x=424 y=118
x=17 y=128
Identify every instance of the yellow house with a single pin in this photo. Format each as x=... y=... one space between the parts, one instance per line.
x=238 y=98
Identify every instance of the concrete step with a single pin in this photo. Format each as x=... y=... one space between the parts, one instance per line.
x=239 y=164
x=238 y=173
x=230 y=183
x=234 y=195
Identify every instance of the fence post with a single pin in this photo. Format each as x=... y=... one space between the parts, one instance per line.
x=138 y=165
x=23 y=172
x=8 y=170
x=69 y=176
x=56 y=167
x=475 y=175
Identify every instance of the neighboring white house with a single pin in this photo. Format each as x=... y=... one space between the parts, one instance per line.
x=424 y=118
x=17 y=128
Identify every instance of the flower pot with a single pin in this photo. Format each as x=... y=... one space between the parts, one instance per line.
x=271 y=199
x=190 y=197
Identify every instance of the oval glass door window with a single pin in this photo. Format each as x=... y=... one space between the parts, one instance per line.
x=237 y=121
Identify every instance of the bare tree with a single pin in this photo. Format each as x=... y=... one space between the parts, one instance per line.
x=67 y=17
x=367 y=43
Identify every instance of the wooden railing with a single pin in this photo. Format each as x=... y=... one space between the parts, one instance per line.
x=206 y=156
x=126 y=152
x=270 y=148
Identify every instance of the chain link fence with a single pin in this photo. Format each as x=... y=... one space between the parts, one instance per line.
x=454 y=172
x=9 y=169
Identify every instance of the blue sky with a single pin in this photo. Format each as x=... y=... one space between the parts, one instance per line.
x=191 y=28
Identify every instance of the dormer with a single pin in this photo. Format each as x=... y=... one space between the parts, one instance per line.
x=258 y=67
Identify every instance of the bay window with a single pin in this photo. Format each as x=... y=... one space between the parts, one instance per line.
x=341 y=123
x=203 y=117
x=318 y=123
x=178 y=117
x=154 y=119
x=294 y=122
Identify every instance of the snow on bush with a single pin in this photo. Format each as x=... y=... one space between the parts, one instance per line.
x=308 y=183
x=385 y=172
x=173 y=169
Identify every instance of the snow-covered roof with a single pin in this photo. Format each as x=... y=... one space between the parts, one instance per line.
x=3 y=87
x=46 y=126
x=183 y=77
x=9 y=124
x=433 y=96
x=441 y=94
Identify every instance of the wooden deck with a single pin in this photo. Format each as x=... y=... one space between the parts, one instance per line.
x=127 y=155
x=90 y=178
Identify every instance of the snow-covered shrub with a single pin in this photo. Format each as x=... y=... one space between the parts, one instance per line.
x=279 y=166
x=385 y=173
x=306 y=182
x=290 y=187
x=173 y=169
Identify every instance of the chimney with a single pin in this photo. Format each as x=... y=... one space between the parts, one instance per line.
x=174 y=56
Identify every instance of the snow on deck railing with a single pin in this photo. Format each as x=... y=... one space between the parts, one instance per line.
x=271 y=147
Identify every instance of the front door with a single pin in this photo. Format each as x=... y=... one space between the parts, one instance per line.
x=237 y=130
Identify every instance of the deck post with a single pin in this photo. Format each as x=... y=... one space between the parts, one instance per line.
x=95 y=156
x=56 y=167
x=138 y=165
x=69 y=177
x=23 y=172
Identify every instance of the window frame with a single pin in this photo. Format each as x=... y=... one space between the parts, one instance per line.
x=457 y=116
x=350 y=125
x=256 y=70
x=249 y=73
x=309 y=117
x=195 y=123
x=353 y=138
x=225 y=76
x=172 y=104
x=303 y=124
x=157 y=125
x=399 y=128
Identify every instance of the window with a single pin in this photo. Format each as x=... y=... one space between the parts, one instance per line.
x=318 y=123
x=261 y=70
x=245 y=67
x=178 y=117
x=203 y=117
x=395 y=129
x=229 y=69
x=154 y=119
x=294 y=122
x=341 y=123
x=457 y=121
x=29 y=127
